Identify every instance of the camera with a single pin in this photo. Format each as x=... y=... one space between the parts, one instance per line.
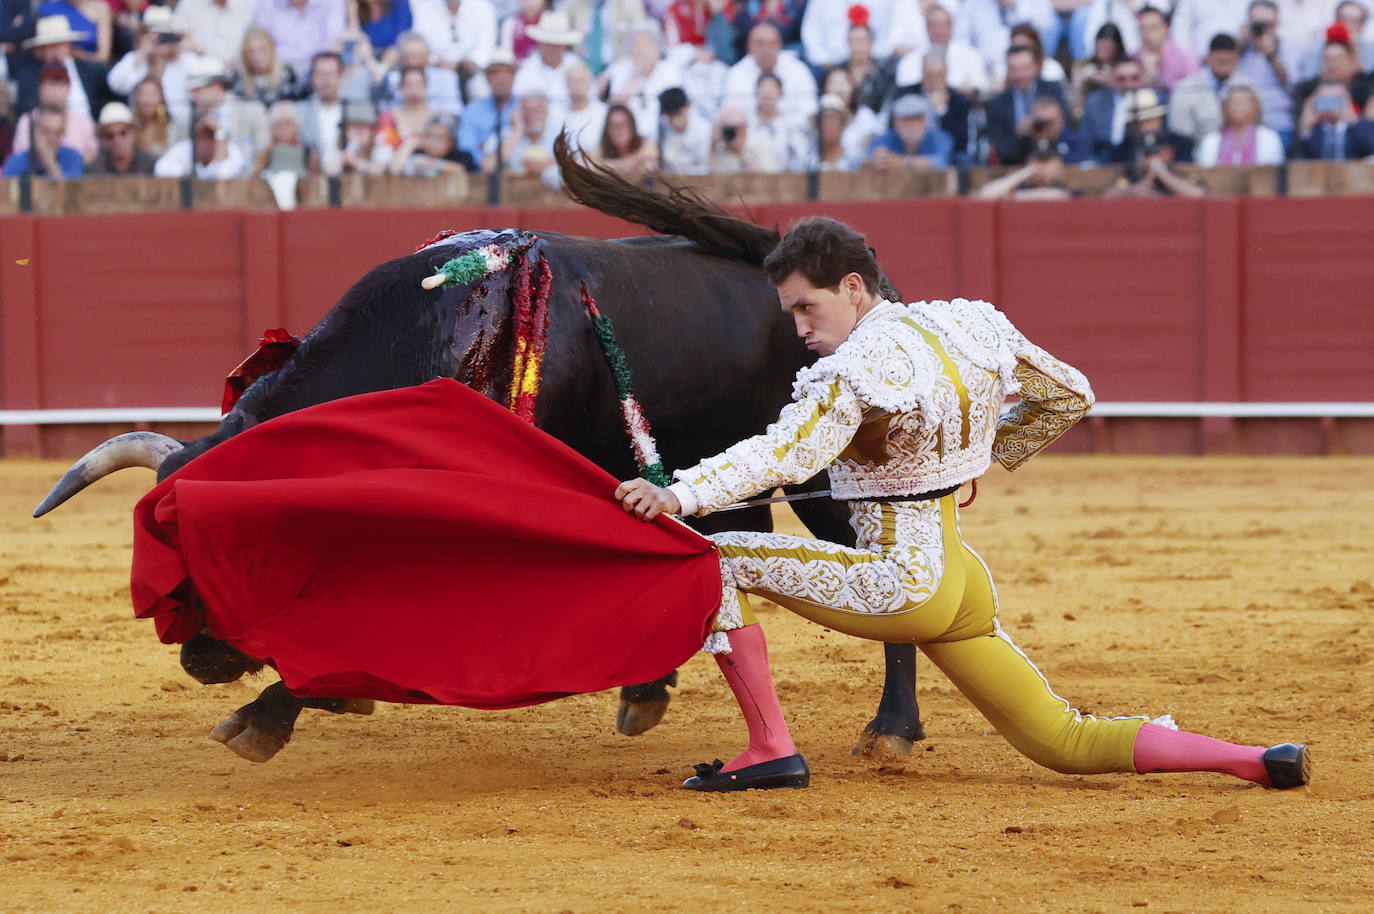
x=1040 y=125
x=168 y=38
x=1257 y=29
x=729 y=133
x=350 y=50
x=1328 y=104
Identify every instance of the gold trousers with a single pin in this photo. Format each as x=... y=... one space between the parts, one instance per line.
x=912 y=579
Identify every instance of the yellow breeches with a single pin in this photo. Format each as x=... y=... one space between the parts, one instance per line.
x=913 y=580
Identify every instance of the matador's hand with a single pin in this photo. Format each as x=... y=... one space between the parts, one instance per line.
x=646 y=500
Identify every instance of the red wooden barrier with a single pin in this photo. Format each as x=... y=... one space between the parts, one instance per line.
x=1221 y=299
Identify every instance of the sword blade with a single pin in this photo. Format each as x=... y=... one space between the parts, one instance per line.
x=803 y=496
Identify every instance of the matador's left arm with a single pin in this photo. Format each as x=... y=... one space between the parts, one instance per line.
x=1054 y=395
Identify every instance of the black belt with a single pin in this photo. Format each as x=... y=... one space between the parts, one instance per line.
x=922 y=496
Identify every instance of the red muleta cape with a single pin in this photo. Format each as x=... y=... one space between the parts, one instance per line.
x=420 y=545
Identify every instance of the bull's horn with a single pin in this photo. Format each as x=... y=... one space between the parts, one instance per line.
x=136 y=449
x=433 y=282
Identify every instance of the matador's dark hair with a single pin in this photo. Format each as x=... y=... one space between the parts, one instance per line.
x=824 y=251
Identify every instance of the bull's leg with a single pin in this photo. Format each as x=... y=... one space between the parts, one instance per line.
x=897 y=725
x=643 y=706
x=260 y=729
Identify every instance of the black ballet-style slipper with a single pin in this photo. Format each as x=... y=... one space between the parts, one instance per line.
x=1288 y=765
x=790 y=771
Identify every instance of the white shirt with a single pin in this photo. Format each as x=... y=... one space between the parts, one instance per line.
x=1302 y=22
x=538 y=78
x=688 y=152
x=469 y=34
x=641 y=94
x=798 y=85
x=894 y=23
x=1195 y=22
x=789 y=136
x=176 y=161
x=584 y=127
x=219 y=30
x=704 y=83
x=964 y=66
x=1119 y=13
x=77 y=99
x=330 y=119
x=1268 y=148
x=131 y=70
x=986 y=24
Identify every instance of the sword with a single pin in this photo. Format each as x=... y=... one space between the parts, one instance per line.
x=802 y=496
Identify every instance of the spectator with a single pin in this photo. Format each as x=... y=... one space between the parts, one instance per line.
x=1110 y=112
x=245 y=120
x=1243 y=140
x=546 y=72
x=875 y=79
x=1195 y=106
x=160 y=53
x=986 y=25
x=1158 y=176
x=701 y=24
x=585 y=121
x=703 y=79
x=216 y=27
x=1339 y=65
x=383 y=22
x=93 y=18
x=623 y=148
x=864 y=123
x=950 y=107
x=830 y=122
x=1096 y=71
x=1354 y=15
x=897 y=29
x=1262 y=61
x=484 y=118
x=912 y=139
x=1329 y=127
x=6 y=119
x=445 y=95
x=1301 y=23
x=462 y=34
x=151 y=116
x=1090 y=18
x=784 y=132
x=128 y=18
x=1166 y=62
x=1024 y=35
x=637 y=82
x=216 y=157
x=363 y=153
x=1196 y=22
x=48 y=158
x=785 y=14
x=514 y=31
x=1047 y=125
x=52 y=44
x=321 y=115
x=686 y=146
x=767 y=56
x=402 y=125
x=1042 y=178
x=528 y=147
x=615 y=21
x=284 y=153
x=54 y=89
x=436 y=152
x=735 y=150
x=1009 y=112
x=17 y=21
x=261 y=75
x=301 y=29
x=120 y=153
x=966 y=69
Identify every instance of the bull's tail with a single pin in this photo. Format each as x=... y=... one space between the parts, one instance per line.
x=671 y=209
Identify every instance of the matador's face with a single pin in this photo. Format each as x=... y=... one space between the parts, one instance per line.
x=824 y=317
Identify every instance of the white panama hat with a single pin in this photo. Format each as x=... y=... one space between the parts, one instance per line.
x=54 y=30
x=554 y=27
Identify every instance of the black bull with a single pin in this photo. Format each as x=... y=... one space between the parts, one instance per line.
x=713 y=357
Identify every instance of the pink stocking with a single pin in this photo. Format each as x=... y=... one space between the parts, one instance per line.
x=1161 y=749
x=746 y=671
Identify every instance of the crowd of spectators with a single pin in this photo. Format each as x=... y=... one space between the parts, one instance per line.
x=233 y=88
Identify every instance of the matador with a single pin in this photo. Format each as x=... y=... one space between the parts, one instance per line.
x=905 y=405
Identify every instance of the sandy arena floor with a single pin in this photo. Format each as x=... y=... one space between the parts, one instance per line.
x=1234 y=593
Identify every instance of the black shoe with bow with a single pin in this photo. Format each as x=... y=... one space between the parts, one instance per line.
x=1288 y=765
x=783 y=772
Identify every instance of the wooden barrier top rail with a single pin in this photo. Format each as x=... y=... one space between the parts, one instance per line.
x=141 y=194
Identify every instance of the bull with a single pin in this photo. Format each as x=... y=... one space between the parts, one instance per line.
x=714 y=360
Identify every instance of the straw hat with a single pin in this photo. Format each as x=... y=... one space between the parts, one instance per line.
x=501 y=57
x=1148 y=105
x=554 y=27
x=115 y=113
x=159 y=19
x=202 y=71
x=54 y=30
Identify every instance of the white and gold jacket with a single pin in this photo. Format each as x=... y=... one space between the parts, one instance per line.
x=910 y=403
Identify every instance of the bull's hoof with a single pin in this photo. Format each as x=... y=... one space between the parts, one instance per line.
x=875 y=745
x=634 y=718
x=256 y=746
x=236 y=724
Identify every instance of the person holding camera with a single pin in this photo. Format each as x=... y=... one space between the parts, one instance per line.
x=1041 y=178
x=1263 y=61
x=1330 y=129
x=1155 y=175
x=736 y=149
x=160 y=54
x=1047 y=126
x=1339 y=65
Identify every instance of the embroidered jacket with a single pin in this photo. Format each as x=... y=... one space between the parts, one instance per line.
x=910 y=403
